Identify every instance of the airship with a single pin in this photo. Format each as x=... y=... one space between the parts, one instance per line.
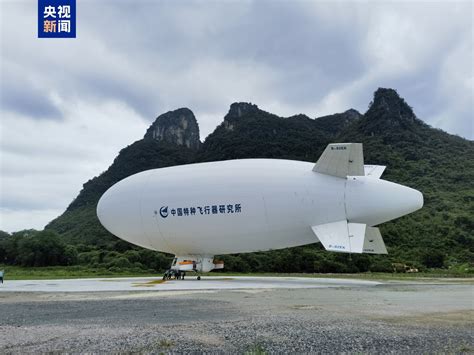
x=198 y=211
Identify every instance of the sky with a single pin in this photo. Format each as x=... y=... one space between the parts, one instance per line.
x=67 y=106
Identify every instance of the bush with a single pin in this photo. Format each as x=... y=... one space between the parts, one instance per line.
x=155 y=260
x=433 y=258
x=110 y=256
x=70 y=254
x=43 y=249
x=328 y=266
x=89 y=258
x=121 y=262
x=381 y=266
x=132 y=255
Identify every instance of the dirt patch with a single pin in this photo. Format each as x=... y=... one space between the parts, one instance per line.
x=465 y=318
x=149 y=283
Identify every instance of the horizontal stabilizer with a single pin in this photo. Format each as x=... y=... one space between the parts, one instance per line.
x=373 y=242
x=341 y=160
x=374 y=171
x=341 y=236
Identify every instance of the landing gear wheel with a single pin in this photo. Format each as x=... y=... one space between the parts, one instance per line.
x=170 y=275
x=199 y=278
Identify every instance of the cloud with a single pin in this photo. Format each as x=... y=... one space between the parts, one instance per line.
x=68 y=106
x=24 y=95
x=14 y=220
x=455 y=92
x=45 y=162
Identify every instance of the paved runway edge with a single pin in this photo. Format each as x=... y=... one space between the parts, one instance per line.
x=156 y=284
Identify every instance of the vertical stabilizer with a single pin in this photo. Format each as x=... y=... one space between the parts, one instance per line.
x=341 y=236
x=341 y=160
x=373 y=242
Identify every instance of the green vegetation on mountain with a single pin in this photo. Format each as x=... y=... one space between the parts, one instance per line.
x=79 y=223
x=253 y=133
x=432 y=161
x=440 y=235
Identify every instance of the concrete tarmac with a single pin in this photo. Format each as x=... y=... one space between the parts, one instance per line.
x=256 y=315
x=190 y=283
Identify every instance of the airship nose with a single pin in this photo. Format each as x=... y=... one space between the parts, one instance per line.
x=374 y=201
x=118 y=211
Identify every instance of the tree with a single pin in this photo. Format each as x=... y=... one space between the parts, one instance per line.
x=44 y=248
x=433 y=258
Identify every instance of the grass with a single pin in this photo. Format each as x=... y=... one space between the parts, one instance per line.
x=256 y=349
x=66 y=272
x=72 y=272
x=165 y=343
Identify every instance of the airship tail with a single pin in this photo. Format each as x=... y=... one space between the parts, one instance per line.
x=346 y=159
x=341 y=160
x=347 y=237
x=368 y=201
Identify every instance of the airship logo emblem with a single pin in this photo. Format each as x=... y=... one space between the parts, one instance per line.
x=164 y=211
